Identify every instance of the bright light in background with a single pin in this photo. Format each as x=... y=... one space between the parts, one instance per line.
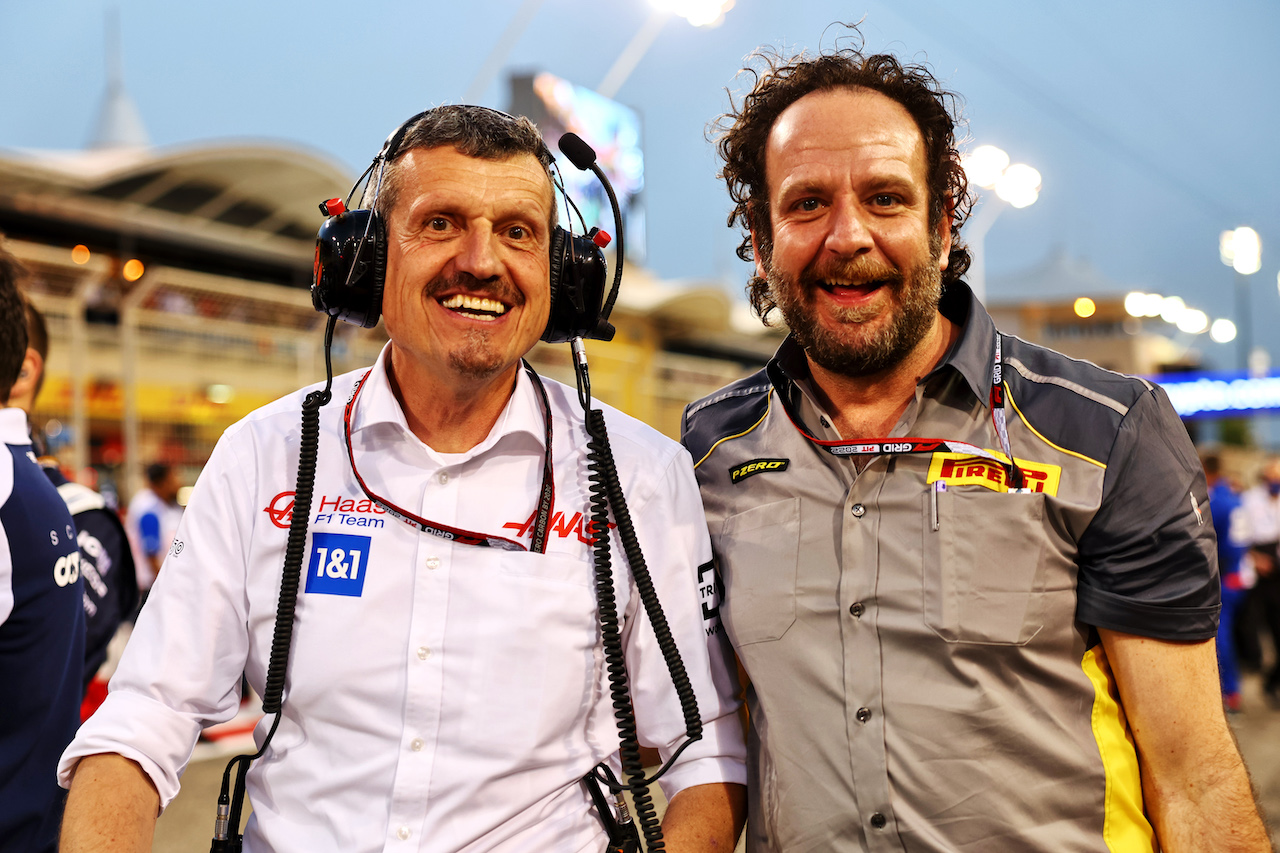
x=1171 y=308
x=988 y=167
x=220 y=393
x=1139 y=304
x=1222 y=331
x=80 y=254
x=1241 y=250
x=700 y=13
x=1193 y=321
x=1019 y=185
x=985 y=164
x=133 y=269
x=1085 y=307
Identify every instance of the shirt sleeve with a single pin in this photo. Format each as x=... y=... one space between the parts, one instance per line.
x=1148 y=560
x=181 y=669
x=672 y=532
x=6 y=556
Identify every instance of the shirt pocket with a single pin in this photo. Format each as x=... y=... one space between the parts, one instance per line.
x=758 y=552
x=982 y=565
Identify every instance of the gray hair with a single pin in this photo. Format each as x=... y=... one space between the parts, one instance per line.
x=474 y=131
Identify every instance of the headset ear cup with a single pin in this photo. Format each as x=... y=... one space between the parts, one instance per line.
x=379 y=271
x=350 y=267
x=558 y=237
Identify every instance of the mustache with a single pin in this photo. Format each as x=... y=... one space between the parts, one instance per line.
x=496 y=288
x=851 y=271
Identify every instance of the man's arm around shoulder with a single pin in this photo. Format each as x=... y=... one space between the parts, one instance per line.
x=705 y=818
x=1194 y=782
x=113 y=806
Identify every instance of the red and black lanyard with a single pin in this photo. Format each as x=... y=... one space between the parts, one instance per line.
x=546 y=498
x=907 y=445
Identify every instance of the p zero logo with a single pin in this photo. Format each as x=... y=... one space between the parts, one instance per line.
x=338 y=564
x=959 y=469
x=757 y=466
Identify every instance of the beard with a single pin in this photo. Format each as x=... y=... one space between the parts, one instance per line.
x=479 y=355
x=856 y=346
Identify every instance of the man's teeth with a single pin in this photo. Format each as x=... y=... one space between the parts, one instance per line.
x=473 y=303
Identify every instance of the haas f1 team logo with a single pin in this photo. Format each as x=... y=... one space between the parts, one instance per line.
x=340 y=510
x=280 y=510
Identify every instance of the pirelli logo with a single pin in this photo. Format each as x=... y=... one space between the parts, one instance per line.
x=757 y=466
x=959 y=469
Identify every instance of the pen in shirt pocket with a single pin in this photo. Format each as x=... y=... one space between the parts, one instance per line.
x=938 y=486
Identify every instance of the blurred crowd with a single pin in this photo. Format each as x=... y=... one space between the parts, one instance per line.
x=1246 y=520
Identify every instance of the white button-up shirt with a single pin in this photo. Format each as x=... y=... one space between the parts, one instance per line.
x=440 y=697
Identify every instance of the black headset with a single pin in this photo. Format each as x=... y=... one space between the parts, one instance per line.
x=351 y=257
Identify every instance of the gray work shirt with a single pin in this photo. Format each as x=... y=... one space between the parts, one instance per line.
x=925 y=673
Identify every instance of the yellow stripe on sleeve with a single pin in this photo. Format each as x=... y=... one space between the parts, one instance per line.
x=1125 y=826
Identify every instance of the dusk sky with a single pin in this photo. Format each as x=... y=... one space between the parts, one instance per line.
x=1154 y=125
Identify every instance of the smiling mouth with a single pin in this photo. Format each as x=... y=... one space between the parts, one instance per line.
x=836 y=287
x=474 y=307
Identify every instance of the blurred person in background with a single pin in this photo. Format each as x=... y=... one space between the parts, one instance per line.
x=1231 y=525
x=1262 y=509
x=41 y=610
x=106 y=560
x=152 y=521
x=972 y=581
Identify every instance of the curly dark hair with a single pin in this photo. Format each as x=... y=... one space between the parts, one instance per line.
x=744 y=131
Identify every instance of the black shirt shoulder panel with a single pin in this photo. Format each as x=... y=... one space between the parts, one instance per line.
x=1074 y=404
x=732 y=410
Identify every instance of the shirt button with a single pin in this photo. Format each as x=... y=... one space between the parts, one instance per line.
x=825 y=423
x=878 y=820
x=857 y=609
x=404 y=832
x=433 y=562
x=423 y=652
x=858 y=510
x=443 y=477
x=416 y=744
x=864 y=714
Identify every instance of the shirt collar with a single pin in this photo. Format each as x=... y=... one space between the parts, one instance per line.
x=378 y=405
x=972 y=355
x=13 y=426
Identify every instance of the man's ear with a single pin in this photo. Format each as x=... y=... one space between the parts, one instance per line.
x=22 y=394
x=944 y=234
x=755 y=253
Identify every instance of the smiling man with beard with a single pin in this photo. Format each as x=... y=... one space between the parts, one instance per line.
x=446 y=683
x=972 y=581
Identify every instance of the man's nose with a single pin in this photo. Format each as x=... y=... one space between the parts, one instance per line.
x=849 y=234
x=478 y=254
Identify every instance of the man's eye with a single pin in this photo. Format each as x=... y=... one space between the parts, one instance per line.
x=517 y=232
x=438 y=223
x=884 y=200
x=809 y=205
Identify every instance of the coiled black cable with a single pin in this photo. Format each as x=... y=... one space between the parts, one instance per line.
x=226 y=834
x=606 y=493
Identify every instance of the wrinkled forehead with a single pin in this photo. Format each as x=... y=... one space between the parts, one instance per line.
x=447 y=174
x=842 y=128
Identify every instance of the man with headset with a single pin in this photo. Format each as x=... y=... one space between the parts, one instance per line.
x=442 y=695
x=972 y=581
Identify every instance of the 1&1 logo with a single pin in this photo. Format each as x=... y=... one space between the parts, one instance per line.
x=338 y=565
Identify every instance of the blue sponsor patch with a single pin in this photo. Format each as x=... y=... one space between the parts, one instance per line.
x=338 y=564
